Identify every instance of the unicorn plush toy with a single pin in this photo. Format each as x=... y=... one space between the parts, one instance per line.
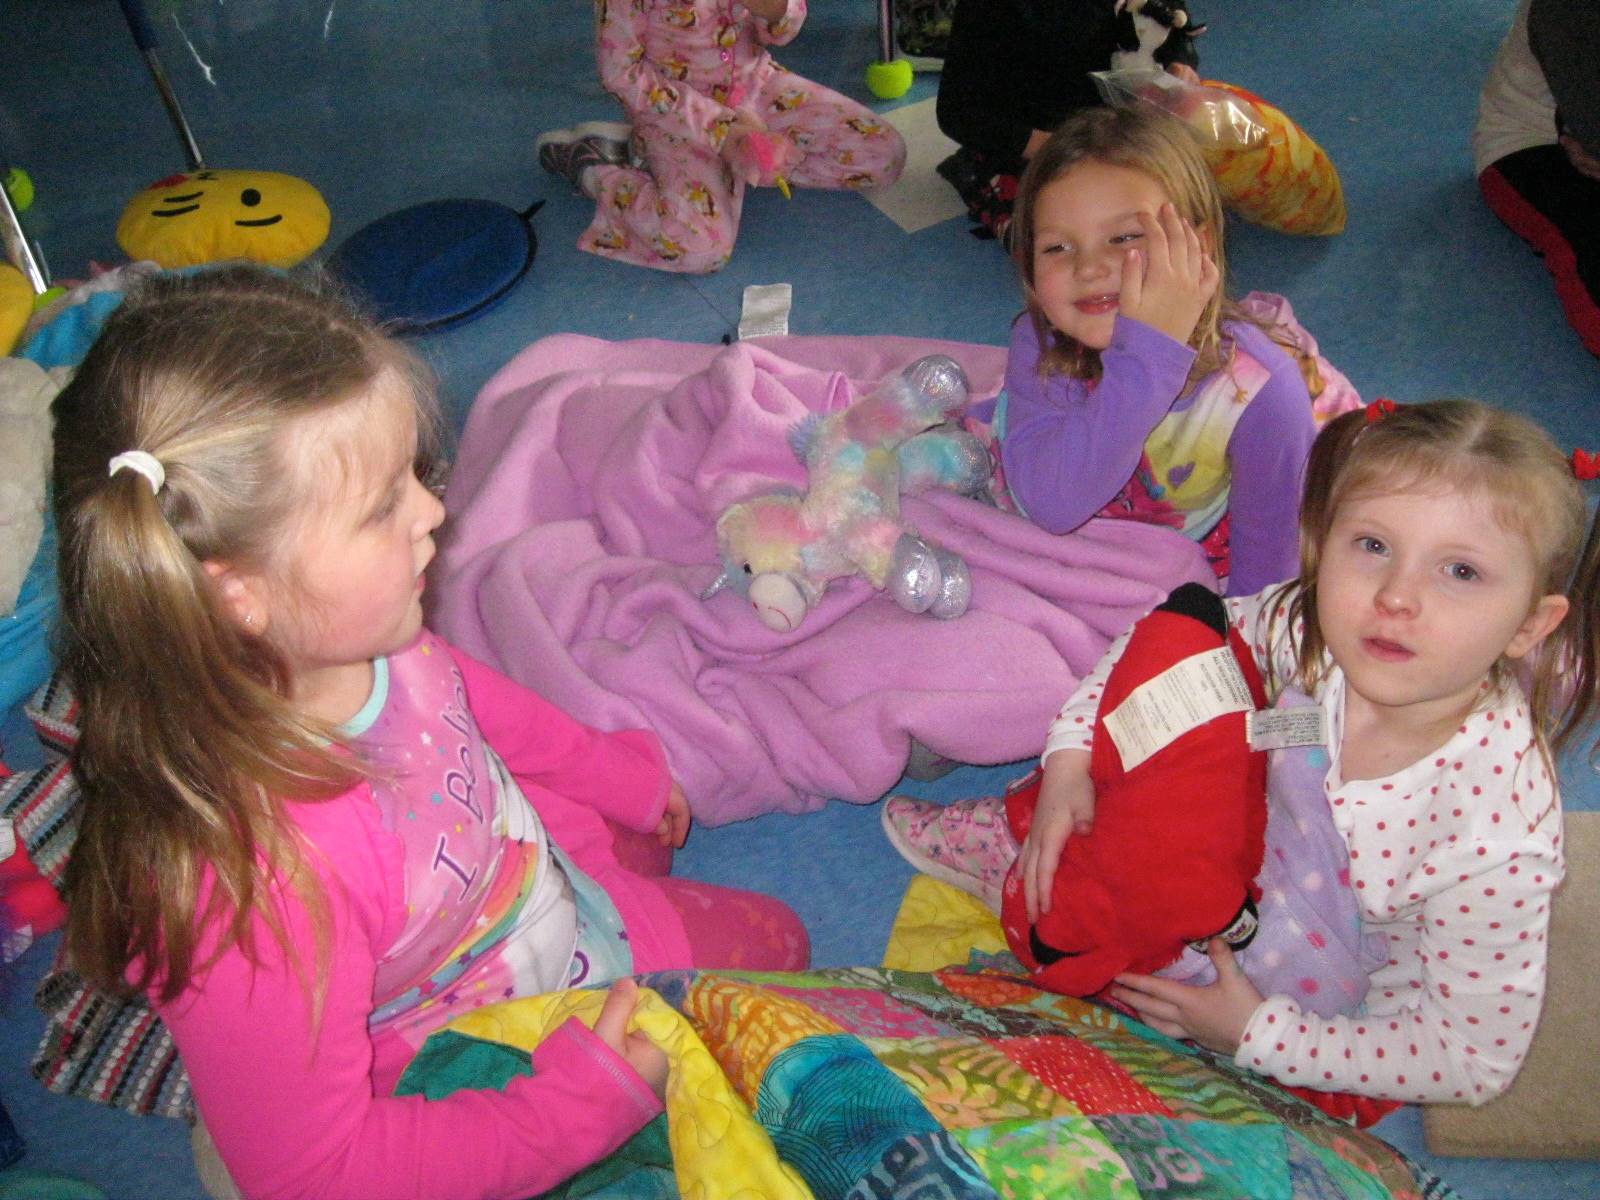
x=782 y=549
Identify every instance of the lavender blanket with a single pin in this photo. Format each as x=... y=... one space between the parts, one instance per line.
x=582 y=505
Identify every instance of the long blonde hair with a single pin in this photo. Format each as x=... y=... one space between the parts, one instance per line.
x=189 y=745
x=1143 y=139
x=1513 y=463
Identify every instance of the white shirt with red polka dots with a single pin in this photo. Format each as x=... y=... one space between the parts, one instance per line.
x=1453 y=858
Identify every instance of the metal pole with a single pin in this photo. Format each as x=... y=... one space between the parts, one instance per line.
x=16 y=243
x=885 y=30
x=144 y=36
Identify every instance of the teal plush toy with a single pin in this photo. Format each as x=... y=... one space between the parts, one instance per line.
x=782 y=549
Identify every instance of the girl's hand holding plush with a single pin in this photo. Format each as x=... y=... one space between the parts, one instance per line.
x=745 y=125
x=754 y=153
x=1216 y=1015
x=1066 y=807
x=1168 y=283
x=611 y=1027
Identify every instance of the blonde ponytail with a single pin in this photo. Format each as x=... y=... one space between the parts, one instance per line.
x=190 y=747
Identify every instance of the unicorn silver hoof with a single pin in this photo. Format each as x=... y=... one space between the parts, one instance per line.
x=914 y=575
x=955 y=586
x=941 y=379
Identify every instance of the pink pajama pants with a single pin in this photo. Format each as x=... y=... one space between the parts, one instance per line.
x=727 y=928
x=680 y=212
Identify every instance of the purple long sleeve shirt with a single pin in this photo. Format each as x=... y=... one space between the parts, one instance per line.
x=1129 y=444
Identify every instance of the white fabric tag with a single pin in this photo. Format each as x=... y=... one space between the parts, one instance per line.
x=765 y=312
x=1183 y=697
x=1280 y=728
x=515 y=819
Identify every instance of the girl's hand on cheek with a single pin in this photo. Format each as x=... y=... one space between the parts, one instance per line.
x=1216 y=1015
x=1168 y=283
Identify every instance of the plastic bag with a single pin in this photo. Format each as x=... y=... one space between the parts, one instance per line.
x=1270 y=170
x=1221 y=119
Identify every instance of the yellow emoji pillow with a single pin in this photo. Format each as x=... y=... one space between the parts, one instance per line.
x=206 y=216
x=16 y=306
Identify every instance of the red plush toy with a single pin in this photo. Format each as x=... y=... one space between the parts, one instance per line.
x=1178 y=838
x=29 y=905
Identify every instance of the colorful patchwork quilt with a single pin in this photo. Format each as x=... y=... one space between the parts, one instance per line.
x=881 y=1084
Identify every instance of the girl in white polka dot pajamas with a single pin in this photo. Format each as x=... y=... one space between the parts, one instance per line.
x=1437 y=544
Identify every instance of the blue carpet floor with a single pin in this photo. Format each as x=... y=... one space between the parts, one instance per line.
x=387 y=103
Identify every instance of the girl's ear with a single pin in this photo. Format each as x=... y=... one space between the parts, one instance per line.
x=1548 y=612
x=242 y=595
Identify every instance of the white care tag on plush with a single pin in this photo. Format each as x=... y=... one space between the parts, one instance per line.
x=1280 y=728
x=766 y=310
x=1183 y=697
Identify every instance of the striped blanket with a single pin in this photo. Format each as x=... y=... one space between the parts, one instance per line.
x=112 y=1049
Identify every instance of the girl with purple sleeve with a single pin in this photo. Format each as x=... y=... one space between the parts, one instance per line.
x=1072 y=451
x=1134 y=388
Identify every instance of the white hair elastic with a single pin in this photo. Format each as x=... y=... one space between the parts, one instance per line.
x=146 y=464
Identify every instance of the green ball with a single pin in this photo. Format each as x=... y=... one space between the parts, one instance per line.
x=19 y=186
x=889 y=80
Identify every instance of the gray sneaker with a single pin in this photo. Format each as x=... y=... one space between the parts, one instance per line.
x=569 y=153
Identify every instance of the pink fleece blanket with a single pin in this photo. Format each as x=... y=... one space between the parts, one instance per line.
x=582 y=506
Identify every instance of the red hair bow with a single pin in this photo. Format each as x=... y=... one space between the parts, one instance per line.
x=1586 y=465
x=1379 y=409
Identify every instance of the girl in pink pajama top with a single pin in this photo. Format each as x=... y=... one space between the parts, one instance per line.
x=314 y=832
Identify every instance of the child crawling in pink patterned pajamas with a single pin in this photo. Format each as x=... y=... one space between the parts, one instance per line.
x=702 y=94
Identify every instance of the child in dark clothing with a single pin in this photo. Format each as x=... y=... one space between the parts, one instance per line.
x=1014 y=70
x=1537 y=148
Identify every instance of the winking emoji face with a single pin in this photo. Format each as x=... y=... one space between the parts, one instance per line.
x=209 y=215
